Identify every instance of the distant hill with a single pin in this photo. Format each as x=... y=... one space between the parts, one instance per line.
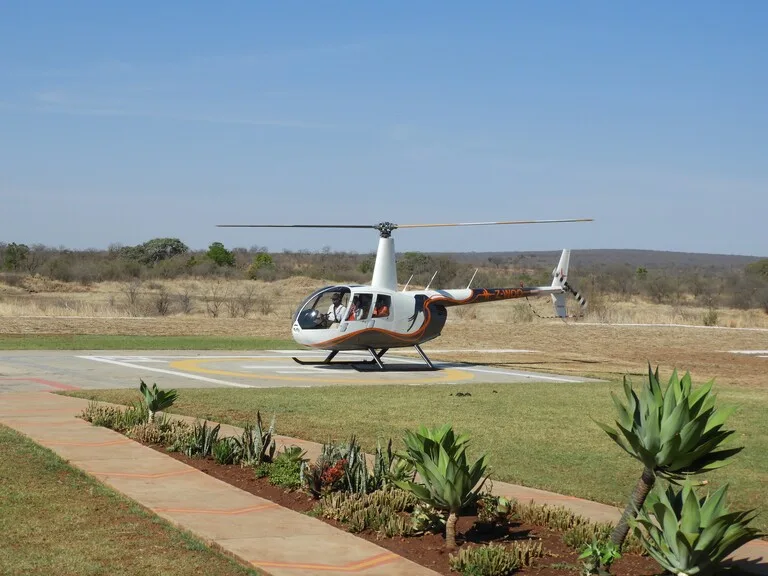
x=650 y=259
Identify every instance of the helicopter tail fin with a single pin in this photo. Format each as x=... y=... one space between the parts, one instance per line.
x=559 y=280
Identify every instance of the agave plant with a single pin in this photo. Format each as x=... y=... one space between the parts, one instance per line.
x=257 y=445
x=674 y=433
x=688 y=535
x=449 y=482
x=156 y=399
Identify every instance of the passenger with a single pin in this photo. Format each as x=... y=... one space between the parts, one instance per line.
x=381 y=310
x=336 y=311
x=355 y=310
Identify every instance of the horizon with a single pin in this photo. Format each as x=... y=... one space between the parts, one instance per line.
x=126 y=122
x=399 y=252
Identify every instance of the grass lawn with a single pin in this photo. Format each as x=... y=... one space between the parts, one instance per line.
x=536 y=434
x=112 y=342
x=56 y=520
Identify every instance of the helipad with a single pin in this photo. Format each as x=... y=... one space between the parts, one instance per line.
x=48 y=370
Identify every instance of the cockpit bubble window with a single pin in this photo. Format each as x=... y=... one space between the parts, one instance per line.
x=324 y=308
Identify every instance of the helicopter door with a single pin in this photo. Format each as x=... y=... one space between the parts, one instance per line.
x=358 y=312
x=382 y=311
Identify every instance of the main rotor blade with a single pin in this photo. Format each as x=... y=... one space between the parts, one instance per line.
x=294 y=226
x=495 y=223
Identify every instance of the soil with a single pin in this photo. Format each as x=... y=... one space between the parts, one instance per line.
x=429 y=550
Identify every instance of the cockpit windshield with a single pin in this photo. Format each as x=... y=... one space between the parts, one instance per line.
x=324 y=308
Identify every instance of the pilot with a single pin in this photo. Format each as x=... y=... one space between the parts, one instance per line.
x=336 y=311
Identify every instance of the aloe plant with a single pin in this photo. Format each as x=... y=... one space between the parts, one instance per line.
x=449 y=482
x=156 y=399
x=387 y=466
x=674 y=433
x=688 y=535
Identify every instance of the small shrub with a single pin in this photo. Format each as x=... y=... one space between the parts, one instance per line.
x=148 y=433
x=262 y=470
x=598 y=557
x=578 y=531
x=339 y=467
x=285 y=471
x=494 y=559
x=427 y=520
x=382 y=511
x=493 y=509
x=136 y=414
x=582 y=535
x=105 y=416
x=201 y=441
x=162 y=302
x=177 y=435
x=225 y=451
x=184 y=299
x=710 y=317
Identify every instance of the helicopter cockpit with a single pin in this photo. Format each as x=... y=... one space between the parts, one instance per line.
x=335 y=306
x=324 y=308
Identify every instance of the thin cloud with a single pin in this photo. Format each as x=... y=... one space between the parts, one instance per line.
x=120 y=112
x=50 y=96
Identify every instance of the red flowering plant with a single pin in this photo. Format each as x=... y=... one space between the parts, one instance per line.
x=326 y=474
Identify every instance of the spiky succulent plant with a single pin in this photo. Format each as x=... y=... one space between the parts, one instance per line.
x=674 y=433
x=449 y=482
x=690 y=535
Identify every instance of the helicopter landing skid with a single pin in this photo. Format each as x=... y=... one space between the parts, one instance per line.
x=327 y=361
x=375 y=359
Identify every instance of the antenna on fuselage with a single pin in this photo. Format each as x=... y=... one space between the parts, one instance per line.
x=409 y=281
x=473 y=277
x=430 y=281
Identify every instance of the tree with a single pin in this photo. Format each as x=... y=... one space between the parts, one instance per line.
x=262 y=261
x=673 y=433
x=154 y=251
x=15 y=256
x=159 y=249
x=219 y=254
x=759 y=268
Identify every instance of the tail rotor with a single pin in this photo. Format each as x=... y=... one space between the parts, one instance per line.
x=560 y=280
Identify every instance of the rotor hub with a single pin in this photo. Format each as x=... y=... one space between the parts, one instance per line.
x=385 y=229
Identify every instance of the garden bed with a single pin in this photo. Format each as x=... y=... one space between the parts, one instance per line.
x=429 y=549
x=387 y=504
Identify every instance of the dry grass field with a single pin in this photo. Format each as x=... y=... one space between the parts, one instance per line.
x=592 y=345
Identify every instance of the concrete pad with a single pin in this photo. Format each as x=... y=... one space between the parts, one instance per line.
x=63 y=370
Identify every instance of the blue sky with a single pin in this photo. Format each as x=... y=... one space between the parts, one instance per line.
x=124 y=121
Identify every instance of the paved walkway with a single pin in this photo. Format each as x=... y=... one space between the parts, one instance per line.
x=274 y=539
x=277 y=540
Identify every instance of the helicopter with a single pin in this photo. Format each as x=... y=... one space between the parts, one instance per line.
x=378 y=317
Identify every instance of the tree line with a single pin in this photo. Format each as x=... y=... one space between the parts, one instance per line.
x=742 y=287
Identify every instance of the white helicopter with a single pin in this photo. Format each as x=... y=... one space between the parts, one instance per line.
x=379 y=317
